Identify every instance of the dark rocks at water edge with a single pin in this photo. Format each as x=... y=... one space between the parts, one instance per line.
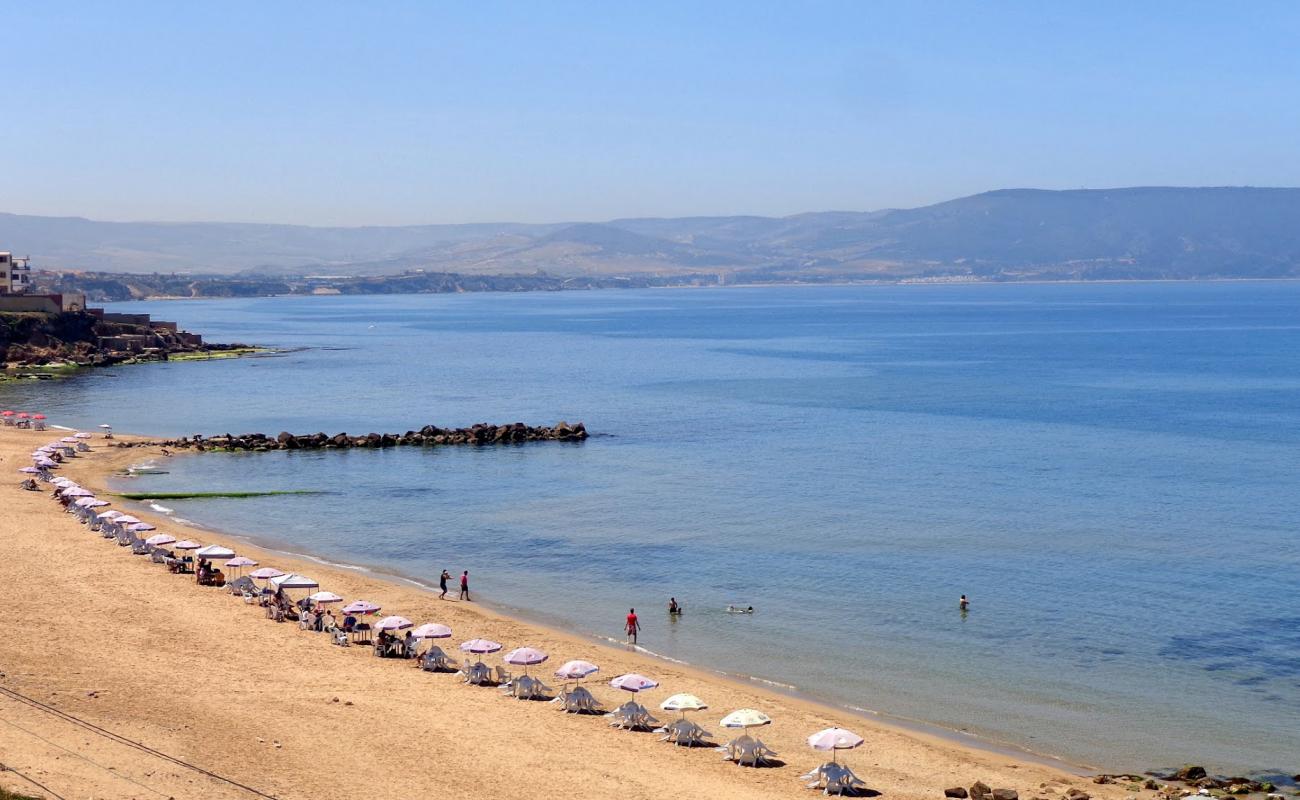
x=429 y=435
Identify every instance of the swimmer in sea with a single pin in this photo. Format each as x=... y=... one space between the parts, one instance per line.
x=963 y=603
x=673 y=606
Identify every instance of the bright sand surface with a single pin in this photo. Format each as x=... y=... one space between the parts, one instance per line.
x=199 y=675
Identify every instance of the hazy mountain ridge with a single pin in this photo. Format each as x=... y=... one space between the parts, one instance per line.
x=1149 y=232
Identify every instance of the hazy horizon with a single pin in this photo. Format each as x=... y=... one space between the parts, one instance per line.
x=411 y=115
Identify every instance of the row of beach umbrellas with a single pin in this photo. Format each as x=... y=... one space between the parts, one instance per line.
x=828 y=740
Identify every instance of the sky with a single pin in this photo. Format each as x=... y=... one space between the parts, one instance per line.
x=345 y=113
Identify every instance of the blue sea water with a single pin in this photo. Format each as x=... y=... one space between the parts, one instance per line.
x=1110 y=472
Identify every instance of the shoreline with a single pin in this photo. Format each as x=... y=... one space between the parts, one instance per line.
x=896 y=761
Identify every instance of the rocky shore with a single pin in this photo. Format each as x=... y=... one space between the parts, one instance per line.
x=428 y=436
x=86 y=339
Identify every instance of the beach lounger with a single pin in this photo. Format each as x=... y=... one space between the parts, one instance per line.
x=579 y=701
x=833 y=778
x=503 y=676
x=141 y=548
x=685 y=733
x=746 y=750
x=435 y=660
x=477 y=673
x=631 y=717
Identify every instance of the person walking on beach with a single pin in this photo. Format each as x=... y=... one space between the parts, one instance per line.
x=442 y=582
x=633 y=625
x=464 y=586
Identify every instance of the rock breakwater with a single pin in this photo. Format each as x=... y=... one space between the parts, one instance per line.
x=428 y=436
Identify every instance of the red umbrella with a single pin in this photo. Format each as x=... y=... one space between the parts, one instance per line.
x=6 y=413
x=38 y=416
x=23 y=415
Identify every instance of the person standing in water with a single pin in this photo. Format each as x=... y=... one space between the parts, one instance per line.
x=464 y=586
x=673 y=606
x=442 y=583
x=963 y=603
x=633 y=625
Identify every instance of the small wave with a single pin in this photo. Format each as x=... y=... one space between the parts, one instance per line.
x=62 y=428
x=161 y=509
x=188 y=522
x=644 y=651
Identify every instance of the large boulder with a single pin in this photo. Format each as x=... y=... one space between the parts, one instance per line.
x=957 y=792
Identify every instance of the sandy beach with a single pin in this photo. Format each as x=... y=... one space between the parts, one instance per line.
x=118 y=642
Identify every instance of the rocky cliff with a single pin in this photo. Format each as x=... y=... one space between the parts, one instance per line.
x=80 y=338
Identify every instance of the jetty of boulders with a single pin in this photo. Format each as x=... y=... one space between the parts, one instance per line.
x=428 y=436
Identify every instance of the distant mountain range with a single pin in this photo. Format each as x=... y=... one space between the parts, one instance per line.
x=1010 y=234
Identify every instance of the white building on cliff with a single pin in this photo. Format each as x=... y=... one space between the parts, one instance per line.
x=15 y=274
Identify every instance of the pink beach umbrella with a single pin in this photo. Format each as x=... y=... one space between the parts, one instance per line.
x=239 y=562
x=432 y=630
x=22 y=415
x=110 y=515
x=834 y=739
x=159 y=539
x=29 y=470
x=265 y=573
x=127 y=519
x=141 y=527
x=525 y=657
x=633 y=682
x=6 y=413
x=184 y=544
x=393 y=624
x=576 y=670
x=480 y=646
x=321 y=598
x=67 y=439
x=76 y=491
x=91 y=502
x=82 y=435
x=360 y=607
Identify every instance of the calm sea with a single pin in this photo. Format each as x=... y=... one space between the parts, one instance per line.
x=1110 y=472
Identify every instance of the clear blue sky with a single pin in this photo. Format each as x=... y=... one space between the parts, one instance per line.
x=392 y=113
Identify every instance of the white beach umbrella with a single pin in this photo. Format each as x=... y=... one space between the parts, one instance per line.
x=294 y=581
x=29 y=470
x=834 y=739
x=61 y=482
x=525 y=657
x=82 y=435
x=215 y=552
x=480 y=646
x=184 y=544
x=632 y=682
x=76 y=491
x=432 y=630
x=160 y=539
x=265 y=573
x=69 y=440
x=320 y=598
x=141 y=527
x=683 y=703
x=110 y=514
x=745 y=718
x=127 y=519
x=45 y=462
x=393 y=624
x=360 y=607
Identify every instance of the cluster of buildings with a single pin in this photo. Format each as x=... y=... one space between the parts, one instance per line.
x=16 y=294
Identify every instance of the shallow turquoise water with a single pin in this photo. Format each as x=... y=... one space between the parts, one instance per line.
x=1108 y=471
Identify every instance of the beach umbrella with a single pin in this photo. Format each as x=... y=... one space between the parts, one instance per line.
x=683 y=703
x=239 y=562
x=525 y=657
x=92 y=502
x=6 y=413
x=320 y=598
x=82 y=435
x=214 y=552
x=38 y=416
x=111 y=515
x=265 y=573
x=141 y=527
x=76 y=491
x=432 y=630
x=68 y=439
x=61 y=482
x=294 y=581
x=160 y=539
x=127 y=519
x=633 y=682
x=745 y=718
x=393 y=624
x=360 y=607
x=834 y=739
x=480 y=646
x=106 y=426
x=576 y=670
x=46 y=462
x=184 y=544
x=29 y=470
x=22 y=415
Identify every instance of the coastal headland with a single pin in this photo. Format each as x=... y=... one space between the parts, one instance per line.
x=115 y=641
